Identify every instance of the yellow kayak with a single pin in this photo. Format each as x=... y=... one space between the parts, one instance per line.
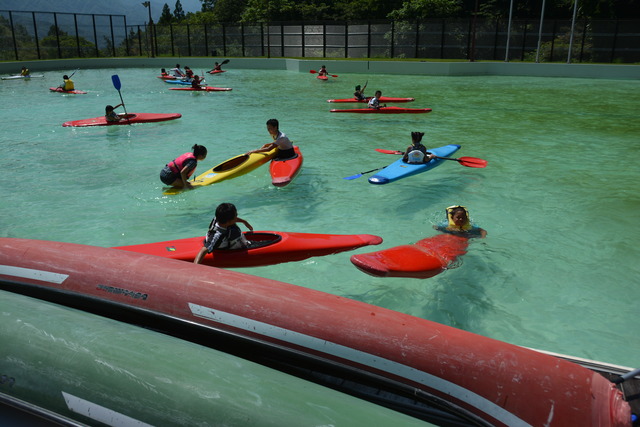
x=232 y=168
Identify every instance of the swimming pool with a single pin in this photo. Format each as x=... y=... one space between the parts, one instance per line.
x=557 y=271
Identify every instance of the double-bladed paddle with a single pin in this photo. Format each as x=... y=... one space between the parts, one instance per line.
x=358 y=175
x=315 y=72
x=470 y=162
x=116 y=83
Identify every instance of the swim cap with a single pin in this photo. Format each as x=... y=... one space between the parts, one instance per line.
x=452 y=225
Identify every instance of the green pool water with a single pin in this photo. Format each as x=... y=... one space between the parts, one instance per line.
x=558 y=270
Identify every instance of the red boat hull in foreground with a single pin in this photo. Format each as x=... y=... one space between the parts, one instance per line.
x=484 y=381
x=271 y=247
x=426 y=258
x=130 y=119
x=383 y=110
x=284 y=171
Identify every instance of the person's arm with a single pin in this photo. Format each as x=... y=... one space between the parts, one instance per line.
x=184 y=174
x=266 y=147
x=245 y=223
x=201 y=254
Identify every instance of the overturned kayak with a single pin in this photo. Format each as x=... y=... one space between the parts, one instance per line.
x=382 y=99
x=383 y=110
x=267 y=248
x=202 y=89
x=232 y=168
x=128 y=119
x=59 y=89
x=421 y=260
x=401 y=169
x=284 y=171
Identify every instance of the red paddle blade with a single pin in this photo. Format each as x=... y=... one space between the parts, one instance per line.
x=382 y=150
x=312 y=71
x=472 y=162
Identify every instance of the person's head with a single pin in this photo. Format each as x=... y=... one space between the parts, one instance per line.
x=225 y=213
x=217 y=63
x=323 y=67
x=24 y=68
x=416 y=137
x=358 y=88
x=65 y=77
x=458 y=217
x=162 y=70
x=108 y=109
x=378 y=94
x=200 y=151
x=272 y=126
x=177 y=65
x=186 y=68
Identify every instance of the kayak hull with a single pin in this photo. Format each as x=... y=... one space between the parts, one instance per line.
x=32 y=76
x=132 y=118
x=383 y=110
x=216 y=71
x=167 y=77
x=284 y=171
x=271 y=247
x=203 y=89
x=57 y=89
x=382 y=99
x=178 y=82
x=323 y=78
x=426 y=258
x=400 y=169
x=232 y=168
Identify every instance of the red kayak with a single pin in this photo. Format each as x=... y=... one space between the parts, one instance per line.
x=131 y=118
x=383 y=110
x=203 y=89
x=283 y=171
x=267 y=248
x=216 y=71
x=322 y=77
x=167 y=77
x=382 y=99
x=57 y=89
x=426 y=258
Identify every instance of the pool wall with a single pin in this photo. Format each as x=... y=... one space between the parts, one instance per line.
x=337 y=66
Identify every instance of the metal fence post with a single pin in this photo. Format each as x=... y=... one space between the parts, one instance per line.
x=95 y=35
x=188 y=40
x=13 y=35
x=75 y=22
x=113 y=40
x=55 y=25
x=35 y=32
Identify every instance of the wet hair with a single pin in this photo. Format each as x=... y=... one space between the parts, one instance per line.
x=65 y=77
x=273 y=122
x=358 y=87
x=177 y=65
x=225 y=212
x=417 y=136
x=108 y=108
x=199 y=150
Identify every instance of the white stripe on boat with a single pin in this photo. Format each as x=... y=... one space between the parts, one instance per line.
x=29 y=273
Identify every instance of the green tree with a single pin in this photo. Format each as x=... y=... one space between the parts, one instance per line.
x=178 y=12
x=424 y=9
x=166 y=17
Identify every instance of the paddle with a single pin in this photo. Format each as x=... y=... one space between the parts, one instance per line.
x=470 y=162
x=358 y=175
x=116 y=83
x=226 y=61
x=74 y=72
x=315 y=72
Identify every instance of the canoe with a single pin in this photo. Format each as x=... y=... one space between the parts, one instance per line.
x=132 y=118
x=232 y=168
x=267 y=248
x=57 y=89
x=284 y=171
x=421 y=260
x=61 y=374
x=434 y=372
x=19 y=77
x=382 y=99
x=383 y=110
x=216 y=71
x=400 y=169
x=203 y=89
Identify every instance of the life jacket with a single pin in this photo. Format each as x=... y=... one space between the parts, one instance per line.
x=415 y=156
x=68 y=85
x=177 y=165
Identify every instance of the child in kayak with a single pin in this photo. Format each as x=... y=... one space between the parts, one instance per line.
x=176 y=173
x=375 y=101
x=111 y=115
x=163 y=73
x=280 y=140
x=459 y=223
x=195 y=83
x=68 y=84
x=177 y=72
x=359 y=93
x=323 y=71
x=416 y=152
x=24 y=72
x=223 y=232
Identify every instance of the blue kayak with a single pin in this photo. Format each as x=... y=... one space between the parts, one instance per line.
x=178 y=82
x=400 y=169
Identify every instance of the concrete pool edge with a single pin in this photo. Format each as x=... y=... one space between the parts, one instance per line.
x=606 y=71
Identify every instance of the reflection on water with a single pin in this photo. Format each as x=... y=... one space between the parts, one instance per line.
x=559 y=199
